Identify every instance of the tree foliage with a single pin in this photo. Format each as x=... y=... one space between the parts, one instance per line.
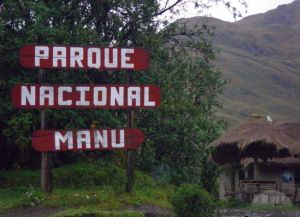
x=181 y=64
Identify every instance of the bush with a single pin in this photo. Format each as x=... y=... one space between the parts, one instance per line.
x=87 y=175
x=232 y=202
x=83 y=175
x=190 y=200
x=162 y=173
x=19 y=178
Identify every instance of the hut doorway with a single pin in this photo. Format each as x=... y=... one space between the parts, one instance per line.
x=248 y=172
x=297 y=176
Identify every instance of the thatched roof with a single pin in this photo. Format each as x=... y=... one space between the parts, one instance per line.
x=292 y=129
x=295 y=149
x=284 y=162
x=255 y=137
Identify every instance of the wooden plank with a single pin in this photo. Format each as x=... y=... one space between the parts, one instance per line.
x=79 y=57
x=85 y=96
x=98 y=139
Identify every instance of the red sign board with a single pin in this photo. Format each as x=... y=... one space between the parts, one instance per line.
x=85 y=96
x=98 y=139
x=78 y=57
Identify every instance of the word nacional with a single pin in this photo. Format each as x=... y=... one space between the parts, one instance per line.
x=77 y=57
x=98 y=139
x=85 y=96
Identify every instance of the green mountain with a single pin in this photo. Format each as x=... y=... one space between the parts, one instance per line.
x=260 y=58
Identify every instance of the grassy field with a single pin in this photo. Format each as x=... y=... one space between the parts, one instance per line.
x=83 y=187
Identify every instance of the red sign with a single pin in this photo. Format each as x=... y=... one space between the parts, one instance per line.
x=77 y=57
x=85 y=96
x=98 y=139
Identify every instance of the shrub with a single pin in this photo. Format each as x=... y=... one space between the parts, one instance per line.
x=190 y=200
x=87 y=175
x=162 y=173
x=232 y=202
x=19 y=178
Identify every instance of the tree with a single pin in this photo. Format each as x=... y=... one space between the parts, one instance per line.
x=184 y=124
x=181 y=65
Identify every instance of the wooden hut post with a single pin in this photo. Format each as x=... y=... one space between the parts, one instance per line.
x=295 y=193
x=232 y=171
x=255 y=169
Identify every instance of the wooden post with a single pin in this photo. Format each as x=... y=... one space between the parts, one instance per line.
x=295 y=193
x=255 y=169
x=131 y=154
x=46 y=171
x=233 y=180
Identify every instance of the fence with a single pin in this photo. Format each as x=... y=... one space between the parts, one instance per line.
x=247 y=190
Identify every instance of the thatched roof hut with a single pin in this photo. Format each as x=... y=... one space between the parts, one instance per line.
x=264 y=149
x=256 y=137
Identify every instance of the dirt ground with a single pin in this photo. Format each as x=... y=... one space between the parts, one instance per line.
x=246 y=213
x=150 y=211
x=30 y=212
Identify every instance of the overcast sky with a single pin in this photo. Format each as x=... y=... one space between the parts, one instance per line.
x=221 y=12
x=254 y=7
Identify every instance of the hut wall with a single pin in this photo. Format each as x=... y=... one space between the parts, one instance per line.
x=264 y=173
x=237 y=178
x=272 y=174
x=269 y=174
x=223 y=180
x=225 y=185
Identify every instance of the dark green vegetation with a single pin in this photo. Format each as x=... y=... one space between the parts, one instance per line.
x=191 y=200
x=83 y=187
x=176 y=133
x=259 y=56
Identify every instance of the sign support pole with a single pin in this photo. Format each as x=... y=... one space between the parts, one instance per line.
x=131 y=154
x=46 y=172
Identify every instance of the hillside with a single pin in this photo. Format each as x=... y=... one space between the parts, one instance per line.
x=260 y=57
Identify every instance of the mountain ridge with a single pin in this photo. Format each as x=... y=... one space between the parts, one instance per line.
x=260 y=57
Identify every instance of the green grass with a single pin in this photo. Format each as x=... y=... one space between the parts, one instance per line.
x=95 y=213
x=99 y=185
x=11 y=198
